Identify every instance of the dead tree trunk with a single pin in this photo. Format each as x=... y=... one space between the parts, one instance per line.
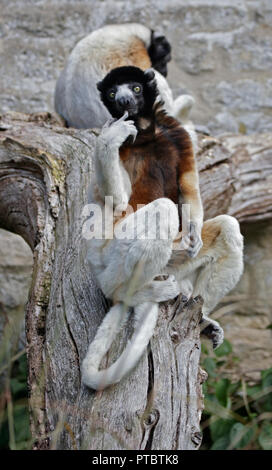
x=44 y=174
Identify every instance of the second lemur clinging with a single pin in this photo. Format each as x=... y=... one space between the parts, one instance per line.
x=76 y=96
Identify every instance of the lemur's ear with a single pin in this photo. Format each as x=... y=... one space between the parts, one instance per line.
x=99 y=86
x=150 y=75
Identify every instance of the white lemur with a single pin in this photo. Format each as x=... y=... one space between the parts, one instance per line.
x=76 y=97
x=145 y=157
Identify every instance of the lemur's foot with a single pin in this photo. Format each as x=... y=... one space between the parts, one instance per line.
x=213 y=331
x=186 y=288
x=167 y=289
x=182 y=107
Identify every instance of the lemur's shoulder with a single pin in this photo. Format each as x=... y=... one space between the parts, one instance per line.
x=163 y=131
x=167 y=127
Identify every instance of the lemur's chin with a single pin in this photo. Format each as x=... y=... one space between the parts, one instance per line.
x=132 y=115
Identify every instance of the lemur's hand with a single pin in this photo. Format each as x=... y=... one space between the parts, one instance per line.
x=115 y=132
x=193 y=240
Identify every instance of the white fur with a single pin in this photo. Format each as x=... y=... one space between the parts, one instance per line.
x=145 y=321
x=76 y=96
x=126 y=274
x=180 y=108
x=212 y=274
x=112 y=178
x=214 y=271
x=126 y=269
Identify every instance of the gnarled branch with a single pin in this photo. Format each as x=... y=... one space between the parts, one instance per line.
x=45 y=170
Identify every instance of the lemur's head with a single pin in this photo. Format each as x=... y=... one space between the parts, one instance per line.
x=129 y=89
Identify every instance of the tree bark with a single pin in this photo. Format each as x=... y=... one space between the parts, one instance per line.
x=45 y=170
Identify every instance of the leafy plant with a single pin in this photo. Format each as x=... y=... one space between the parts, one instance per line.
x=14 y=416
x=236 y=415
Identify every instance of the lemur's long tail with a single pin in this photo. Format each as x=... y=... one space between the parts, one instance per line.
x=146 y=315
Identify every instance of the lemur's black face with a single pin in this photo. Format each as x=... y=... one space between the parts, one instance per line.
x=128 y=89
x=127 y=97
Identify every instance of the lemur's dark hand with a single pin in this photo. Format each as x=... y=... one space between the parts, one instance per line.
x=212 y=330
x=193 y=241
x=159 y=52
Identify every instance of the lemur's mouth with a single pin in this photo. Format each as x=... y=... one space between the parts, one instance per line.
x=130 y=107
x=131 y=110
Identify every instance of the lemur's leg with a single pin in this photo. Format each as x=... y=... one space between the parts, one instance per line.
x=181 y=111
x=216 y=269
x=132 y=263
x=154 y=291
x=182 y=106
x=165 y=92
x=130 y=266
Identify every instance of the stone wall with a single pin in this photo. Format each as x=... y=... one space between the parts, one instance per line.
x=15 y=277
x=222 y=51
x=246 y=313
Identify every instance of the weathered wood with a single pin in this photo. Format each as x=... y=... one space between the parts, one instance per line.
x=45 y=170
x=236 y=176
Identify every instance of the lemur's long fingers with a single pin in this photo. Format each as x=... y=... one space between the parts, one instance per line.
x=114 y=120
x=123 y=118
x=134 y=133
x=109 y=123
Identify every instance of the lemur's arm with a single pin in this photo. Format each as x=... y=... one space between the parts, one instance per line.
x=190 y=194
x=111 y=177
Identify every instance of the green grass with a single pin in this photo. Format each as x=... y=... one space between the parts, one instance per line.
x=14 y=416
x=236 y=415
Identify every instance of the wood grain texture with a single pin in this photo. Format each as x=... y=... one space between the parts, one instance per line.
x=45 y=170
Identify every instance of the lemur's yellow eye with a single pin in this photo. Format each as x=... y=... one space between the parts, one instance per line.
x=112 y=94
x=137 y=89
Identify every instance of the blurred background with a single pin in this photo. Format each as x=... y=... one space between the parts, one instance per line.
x=222 y=55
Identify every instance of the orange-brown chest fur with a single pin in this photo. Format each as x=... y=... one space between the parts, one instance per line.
x=154 y=164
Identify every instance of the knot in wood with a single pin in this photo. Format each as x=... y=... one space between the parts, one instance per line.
x=152 y=418
x=129 y=423
x=174 y=335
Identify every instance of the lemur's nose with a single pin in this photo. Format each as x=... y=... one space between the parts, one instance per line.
x=125 y=101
